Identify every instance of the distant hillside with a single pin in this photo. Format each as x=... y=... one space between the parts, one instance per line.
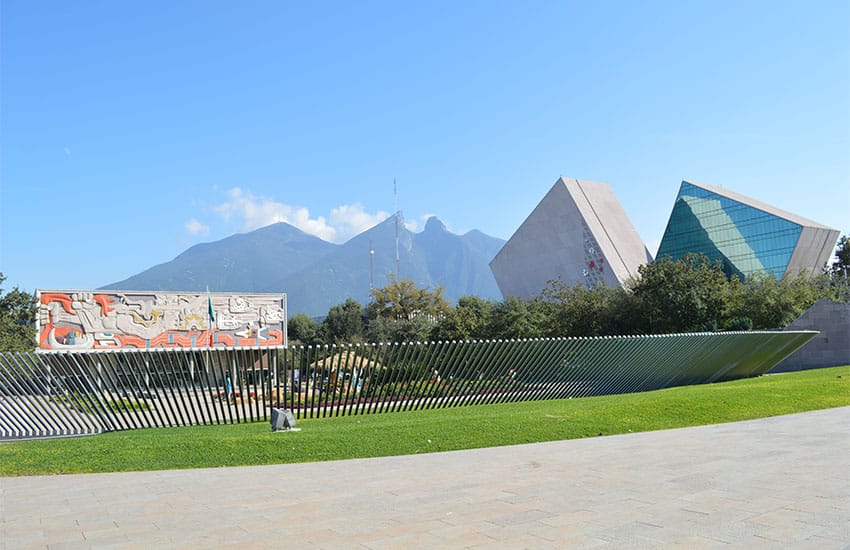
x=248 y=262
x=317 y=274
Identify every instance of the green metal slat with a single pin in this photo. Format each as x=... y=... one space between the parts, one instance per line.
x=395 y=377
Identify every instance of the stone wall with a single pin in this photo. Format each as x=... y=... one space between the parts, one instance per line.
x=831 y=347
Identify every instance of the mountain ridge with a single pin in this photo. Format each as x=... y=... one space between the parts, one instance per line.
x=317 y=274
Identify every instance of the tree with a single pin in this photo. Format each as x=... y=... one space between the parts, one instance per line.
x=468 y=319
x=622 y=314
x=517 y=318
x=386 y=329
x=841 y=266
x=683 y=295
x=770 y=303
x=344 y=323
x=402 y=299
x=576 y=310
x=17 y=319
x=302 y=329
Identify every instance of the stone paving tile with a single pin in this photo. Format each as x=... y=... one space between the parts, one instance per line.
x=518 y=535
x=471 y=532
x=24 y=540
x=521 y=518
x=582 y=541
x=775 y=482
x=572 y=518
x=419 y=540
x=820 y=541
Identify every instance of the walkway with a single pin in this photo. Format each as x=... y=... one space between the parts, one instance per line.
x=765 y=483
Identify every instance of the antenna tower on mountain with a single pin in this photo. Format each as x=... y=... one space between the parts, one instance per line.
x=395 y=205
x=371 y=269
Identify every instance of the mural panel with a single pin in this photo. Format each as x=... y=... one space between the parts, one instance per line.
x=82 y=320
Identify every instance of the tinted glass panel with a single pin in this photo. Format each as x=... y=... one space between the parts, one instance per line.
x=745 y=239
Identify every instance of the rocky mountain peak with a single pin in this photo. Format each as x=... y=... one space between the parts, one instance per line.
x=434 y=225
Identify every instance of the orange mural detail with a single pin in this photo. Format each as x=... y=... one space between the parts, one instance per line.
x=161 y=341
x=105 y=303
x=43 y=337
x=64 y=299
x=274 y=338
x=130 y=341
x=64 y=331
x=87 y=320
x=223 y=339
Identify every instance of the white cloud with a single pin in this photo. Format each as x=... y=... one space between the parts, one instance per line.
x=415 y=226
x=351 y=219
x=195 y=227
x=254 y=212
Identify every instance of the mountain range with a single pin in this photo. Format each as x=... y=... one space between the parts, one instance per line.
x=316 y=274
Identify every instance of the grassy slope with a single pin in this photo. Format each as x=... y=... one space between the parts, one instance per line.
x=430 y=430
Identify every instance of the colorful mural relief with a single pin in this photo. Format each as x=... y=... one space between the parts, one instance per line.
x=594 y=260
x=80 y=320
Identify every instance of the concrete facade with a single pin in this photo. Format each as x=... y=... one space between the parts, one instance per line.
x=830 y=348
x=579 y=233
x=813 y=250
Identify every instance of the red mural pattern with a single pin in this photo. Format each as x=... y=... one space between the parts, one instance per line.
x=66 y=321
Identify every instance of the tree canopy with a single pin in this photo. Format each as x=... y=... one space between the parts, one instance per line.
x=684 y=295
x=344 y=322
x=17 y=319
x=302 y=329
x=402 y=299
x=841 y=266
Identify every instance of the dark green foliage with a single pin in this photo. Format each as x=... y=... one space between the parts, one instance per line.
x=578 y=310
x=344 y=323
x=517 y=318
x=739 y=324
x=839 y=273
x=690 y=294
x=682 y=295
x=841 y=267
x=402 y=299
x=17 y=319
x=385 y=329
x=404 y=312
x=685 y=295
x=770 y=303
x=467 y=320
x=302 y=329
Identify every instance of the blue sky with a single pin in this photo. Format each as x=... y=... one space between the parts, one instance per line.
x=133 y=130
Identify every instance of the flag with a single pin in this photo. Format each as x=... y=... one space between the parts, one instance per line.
x=212 y=316
x=212 y=313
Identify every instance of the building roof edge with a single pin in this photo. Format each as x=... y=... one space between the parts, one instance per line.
x=759 y=205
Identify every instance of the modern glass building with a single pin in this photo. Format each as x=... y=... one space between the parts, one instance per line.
x=747 y=236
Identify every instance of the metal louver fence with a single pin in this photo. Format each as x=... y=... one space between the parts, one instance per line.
x=60 y=394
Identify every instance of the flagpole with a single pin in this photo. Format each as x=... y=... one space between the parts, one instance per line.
x=210 y=323
x=210 y=316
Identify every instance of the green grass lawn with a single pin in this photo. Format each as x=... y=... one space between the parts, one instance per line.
x=430 y=430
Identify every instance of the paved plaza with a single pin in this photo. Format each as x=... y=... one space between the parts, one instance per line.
x=776 y=482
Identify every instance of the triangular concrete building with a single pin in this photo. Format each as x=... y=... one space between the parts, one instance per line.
x=579 y=233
